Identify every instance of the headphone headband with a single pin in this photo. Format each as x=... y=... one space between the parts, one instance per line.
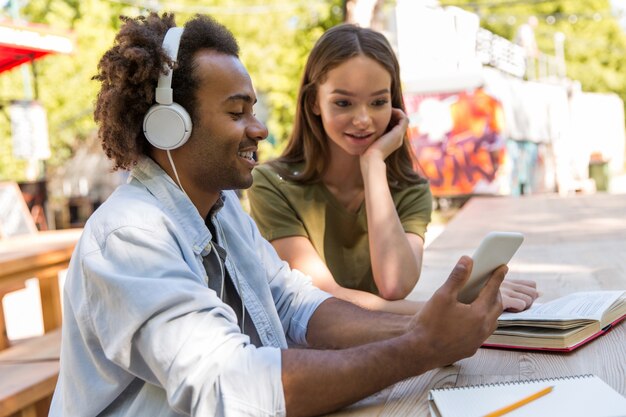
x=171 y=42
x=167 y=125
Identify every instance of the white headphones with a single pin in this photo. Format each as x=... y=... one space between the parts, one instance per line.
x=167 y=125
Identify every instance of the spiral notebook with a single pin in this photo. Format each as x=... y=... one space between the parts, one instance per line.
x=574 y=396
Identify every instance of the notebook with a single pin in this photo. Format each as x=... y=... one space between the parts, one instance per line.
x=574 y=396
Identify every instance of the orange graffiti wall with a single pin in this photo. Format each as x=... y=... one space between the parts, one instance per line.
x=457 y=141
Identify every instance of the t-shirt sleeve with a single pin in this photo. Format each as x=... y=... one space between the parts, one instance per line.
x=414 y=205
x=270 y=208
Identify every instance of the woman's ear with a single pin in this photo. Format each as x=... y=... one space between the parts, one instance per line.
x=316 y=108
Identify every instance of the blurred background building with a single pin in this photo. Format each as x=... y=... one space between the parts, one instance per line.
x=494 y=116
x=504 y=97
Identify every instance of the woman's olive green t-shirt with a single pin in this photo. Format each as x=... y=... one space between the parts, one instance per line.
x=283 y=208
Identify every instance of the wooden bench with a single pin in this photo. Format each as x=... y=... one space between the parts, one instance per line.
x=28 y=374
x=42 y=255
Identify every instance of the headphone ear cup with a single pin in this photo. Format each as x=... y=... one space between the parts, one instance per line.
x=167 y=127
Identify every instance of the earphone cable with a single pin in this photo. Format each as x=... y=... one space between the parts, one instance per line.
x=219 y=261
x=169 y=156
x=243 y=304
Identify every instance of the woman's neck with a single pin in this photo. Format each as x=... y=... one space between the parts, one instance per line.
x=344 y=180
x=343 y=170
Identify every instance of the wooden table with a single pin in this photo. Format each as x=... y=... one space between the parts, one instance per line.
x=571 y=244
x=41 y=255
x=29 y=371
x=27 y=388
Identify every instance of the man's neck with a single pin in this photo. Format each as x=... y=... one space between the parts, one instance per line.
x=203 y=200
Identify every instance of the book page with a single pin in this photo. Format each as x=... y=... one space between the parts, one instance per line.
x=576 y=396
x=588 y=305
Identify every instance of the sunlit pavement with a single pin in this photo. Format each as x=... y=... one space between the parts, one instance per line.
x=617 y=184
x=433 y=231
x=22 y=308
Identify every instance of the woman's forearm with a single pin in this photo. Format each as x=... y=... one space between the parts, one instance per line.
x=395 y=264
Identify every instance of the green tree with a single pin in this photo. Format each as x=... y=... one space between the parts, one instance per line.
x=275 y=37
x=63 y=81
x=274 y=45
x=595 y=44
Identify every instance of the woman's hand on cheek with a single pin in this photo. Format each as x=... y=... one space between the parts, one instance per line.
x=392 y=139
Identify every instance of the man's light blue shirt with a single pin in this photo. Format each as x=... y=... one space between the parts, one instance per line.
x=144 y=335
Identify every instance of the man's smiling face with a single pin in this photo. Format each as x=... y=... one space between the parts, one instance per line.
x=226 y=132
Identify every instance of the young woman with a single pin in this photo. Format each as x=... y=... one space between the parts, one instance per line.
x=343 y=203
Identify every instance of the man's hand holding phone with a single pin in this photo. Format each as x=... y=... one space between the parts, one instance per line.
x=496 y=249
x=458 y=329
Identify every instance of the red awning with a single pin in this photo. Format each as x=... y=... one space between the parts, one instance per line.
x=25 y=43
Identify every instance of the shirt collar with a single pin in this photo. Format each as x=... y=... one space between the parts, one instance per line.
x=175 y=202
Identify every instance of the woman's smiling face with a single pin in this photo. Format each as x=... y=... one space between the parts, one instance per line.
x=354 y=103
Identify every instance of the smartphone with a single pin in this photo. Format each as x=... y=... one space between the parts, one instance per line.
x=497 y=248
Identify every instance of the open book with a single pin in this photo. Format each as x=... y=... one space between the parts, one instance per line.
x=573 y=396
x=562 y=324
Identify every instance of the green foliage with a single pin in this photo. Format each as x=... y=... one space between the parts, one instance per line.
x=275 y=37
x=274 y=48
x=595 y=44
x=63 y=82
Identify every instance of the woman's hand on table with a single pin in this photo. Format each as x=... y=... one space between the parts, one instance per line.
x=518 y=294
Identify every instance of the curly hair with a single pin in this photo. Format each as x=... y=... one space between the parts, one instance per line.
x=129 y=72
x=308 y=142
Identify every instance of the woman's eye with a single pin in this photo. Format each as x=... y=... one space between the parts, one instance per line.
x=380 y=102
x=342 y=103
x=236 y=115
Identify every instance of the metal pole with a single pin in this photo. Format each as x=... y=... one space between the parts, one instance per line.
x=35 y=168
x=559 y=51
x=26 y=78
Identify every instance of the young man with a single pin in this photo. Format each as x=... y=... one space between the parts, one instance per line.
x=174 y=304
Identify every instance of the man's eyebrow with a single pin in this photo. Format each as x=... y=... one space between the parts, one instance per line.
x=242 y=97
x=347 y=93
